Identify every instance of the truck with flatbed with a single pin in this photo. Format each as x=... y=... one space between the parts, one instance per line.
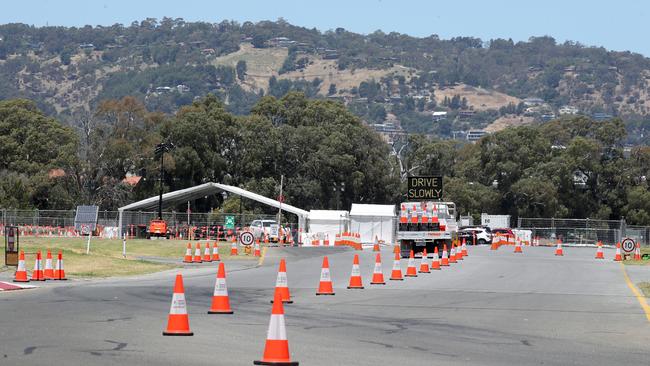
x=426 y=224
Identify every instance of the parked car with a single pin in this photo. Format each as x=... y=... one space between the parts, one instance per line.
x=259 y=228
x=483 y=234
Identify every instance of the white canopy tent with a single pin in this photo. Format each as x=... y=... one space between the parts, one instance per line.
x=373 y=221
x=176 y=197
x=327 y=223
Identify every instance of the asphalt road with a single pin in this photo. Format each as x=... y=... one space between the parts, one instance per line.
x=493 y=308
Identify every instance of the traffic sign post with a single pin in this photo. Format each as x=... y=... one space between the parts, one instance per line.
x=229 y=222
x=246 y=238
x=628 y=245
x=424 y=188
x=11 y=245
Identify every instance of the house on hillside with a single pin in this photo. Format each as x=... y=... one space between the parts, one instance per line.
x=600 y=116
x=182 y=88
x=465 y=115
x=280 y=42
x=87 y=46
x=163 y=89
x=568 y=110
x=530 y=102
x=208 y=51
x=439 y=116
x=331 y=55
x=547 y=117
x=475 y=135
x=388 y=131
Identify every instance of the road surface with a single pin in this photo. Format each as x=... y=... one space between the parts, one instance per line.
x=493 y=308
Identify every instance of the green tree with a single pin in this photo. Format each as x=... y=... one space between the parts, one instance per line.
x=241 y=70
x=332 y=89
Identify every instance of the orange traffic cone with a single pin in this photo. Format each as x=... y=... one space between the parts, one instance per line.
x=396 y=249
x=464 y=248
x=21 y=272
x=188 y=254
x=48 y=273
x=207 y=256
x=220 y=300
x=197 y=254
x=37 y=274
x=424 y=265
x=396 y=273
x=378 y=273
x=276 y=350
x=59 y=272
x=444 y=262
x=355 y=276
x=637 y=252
x=459 y=252
x=233 y=246
x=435 y=262
x=558 y=249
x=599 y=251
x=325 y=284
x=518 y=247
x=178 y=322
x=215 y=252
x=411 y=271
x=618 y=256
x=257 y=252
x=375 y=247
x=281 y=283
x=452 y=253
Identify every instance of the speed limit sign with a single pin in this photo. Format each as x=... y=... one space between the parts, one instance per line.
x=85 y=229
x=246 y=238
x=628 y=245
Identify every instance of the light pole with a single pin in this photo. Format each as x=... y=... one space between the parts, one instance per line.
x=338 y=189
x=161 y=149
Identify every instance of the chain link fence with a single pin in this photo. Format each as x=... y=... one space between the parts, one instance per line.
x=584 y=231
x=134 y=223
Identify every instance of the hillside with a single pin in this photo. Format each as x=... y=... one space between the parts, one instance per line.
x=169 y=63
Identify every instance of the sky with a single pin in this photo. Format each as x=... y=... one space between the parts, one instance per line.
x=620 y=25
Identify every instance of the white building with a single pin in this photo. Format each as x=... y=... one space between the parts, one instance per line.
x=568 y=109
x=439 y=116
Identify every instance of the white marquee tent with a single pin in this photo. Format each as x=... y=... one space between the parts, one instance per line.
x=327 y=223
x=173 y=198
x=373 y=220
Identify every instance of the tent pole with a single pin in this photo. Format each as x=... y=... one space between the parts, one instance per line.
x=119 y=224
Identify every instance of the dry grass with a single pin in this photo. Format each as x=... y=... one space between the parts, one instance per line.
x=105 y=258
x=479 y=98
x=632 y=262
x=504 y=122
x=327 y=70
x=261 y=64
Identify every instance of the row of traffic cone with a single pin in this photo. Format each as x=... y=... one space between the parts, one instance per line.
x=208 y=254
x=559 y=251
x=276 y=350
x=40 y=273
x=212 y=255
x=457 y=253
